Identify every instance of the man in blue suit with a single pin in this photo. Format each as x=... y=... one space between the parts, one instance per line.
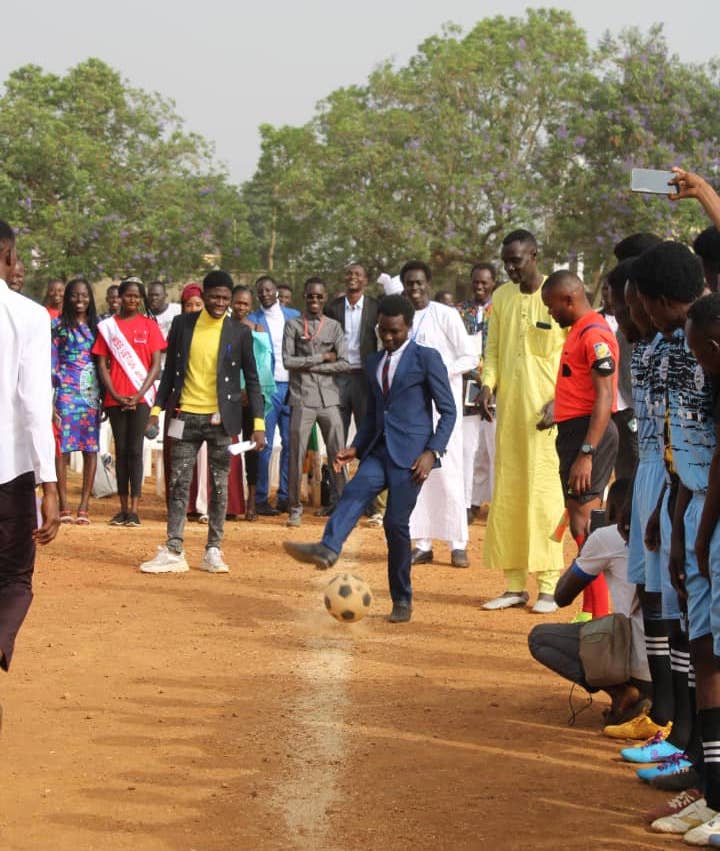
x=397 y=447
x=272 y=316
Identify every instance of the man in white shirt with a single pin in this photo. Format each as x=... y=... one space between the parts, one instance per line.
x=27 y=450
x=557 y=645
x=440 y=509
x=163 y=310
x=272 y=316
x=357 y=313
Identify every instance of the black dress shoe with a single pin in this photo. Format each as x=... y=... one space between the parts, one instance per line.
x=421 y=556
x=458 y=558
x=282 y=506
x=325 y=511
x=264 y=509
x=401 y=613
x=318 y=554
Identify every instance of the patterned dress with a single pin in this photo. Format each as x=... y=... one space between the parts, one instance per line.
x=77 y=390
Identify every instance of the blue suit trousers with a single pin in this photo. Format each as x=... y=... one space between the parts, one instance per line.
x=278 y=415
x=376 y=473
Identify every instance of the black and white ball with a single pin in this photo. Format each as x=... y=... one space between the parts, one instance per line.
x=348 y=598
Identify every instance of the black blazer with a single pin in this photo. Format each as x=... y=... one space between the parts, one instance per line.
x=235 y=354
x=368 y=320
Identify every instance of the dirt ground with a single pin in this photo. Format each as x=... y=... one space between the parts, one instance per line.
x=213 y=713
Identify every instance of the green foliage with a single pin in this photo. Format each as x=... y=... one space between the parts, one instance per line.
x=515 y=124
x=642 y=109
x=100 y=178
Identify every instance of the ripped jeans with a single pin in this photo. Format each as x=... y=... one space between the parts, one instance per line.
x=183 y=452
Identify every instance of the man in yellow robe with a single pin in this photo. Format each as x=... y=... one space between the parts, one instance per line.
x=521 y=363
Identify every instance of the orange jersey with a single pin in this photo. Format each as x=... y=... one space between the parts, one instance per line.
x=590 y=345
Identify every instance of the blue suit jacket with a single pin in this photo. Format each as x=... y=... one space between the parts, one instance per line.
x=258 y=317
x=405 y=418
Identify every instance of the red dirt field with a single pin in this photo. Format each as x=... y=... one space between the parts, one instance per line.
x=214 y=713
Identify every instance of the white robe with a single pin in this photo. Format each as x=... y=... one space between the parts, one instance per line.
x=440 y=508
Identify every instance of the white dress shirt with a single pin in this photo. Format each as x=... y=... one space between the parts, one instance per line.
x=26 y=394
x=165 y=319
x=353 y=316
x=394 y=361
x=275 y=319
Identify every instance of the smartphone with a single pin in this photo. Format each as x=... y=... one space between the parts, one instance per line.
x=597 y=519
x=472 y=393
x=652 y=181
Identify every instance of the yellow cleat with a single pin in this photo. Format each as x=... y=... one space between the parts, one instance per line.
x=640 y=727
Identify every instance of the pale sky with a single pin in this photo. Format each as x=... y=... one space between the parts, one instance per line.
x=231 y=65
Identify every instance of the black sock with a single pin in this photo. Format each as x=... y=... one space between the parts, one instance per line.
x=694 y=750
x=710 y=728
x=658 y=655
x=680 y=664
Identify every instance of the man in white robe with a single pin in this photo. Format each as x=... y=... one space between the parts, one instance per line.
x=440 y=509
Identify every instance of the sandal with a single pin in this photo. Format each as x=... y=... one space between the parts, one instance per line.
x=66 y=516
x=82 y=518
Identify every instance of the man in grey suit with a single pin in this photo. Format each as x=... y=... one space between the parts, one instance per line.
x=314 y=352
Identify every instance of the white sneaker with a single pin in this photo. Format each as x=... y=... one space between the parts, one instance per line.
x=375 y=520
x=701 y=835
x=165 y=562
x=686 y=819
x=544 y=605
x=213 y=561
x=508 y=600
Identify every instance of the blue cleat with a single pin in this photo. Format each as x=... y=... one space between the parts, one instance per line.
x=672 y=765
x=656 y=749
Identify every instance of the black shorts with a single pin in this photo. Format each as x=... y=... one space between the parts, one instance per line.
x=569 y=440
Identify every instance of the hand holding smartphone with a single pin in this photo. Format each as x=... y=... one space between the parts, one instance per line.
x=652 y=181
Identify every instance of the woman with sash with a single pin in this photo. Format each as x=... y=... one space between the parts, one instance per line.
x=128 y=347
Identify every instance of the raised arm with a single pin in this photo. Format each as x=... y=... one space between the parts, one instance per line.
x=691 y=185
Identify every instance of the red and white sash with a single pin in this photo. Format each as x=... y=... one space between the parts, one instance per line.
x=126 y=356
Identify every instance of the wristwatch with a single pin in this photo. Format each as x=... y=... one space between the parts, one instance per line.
x=587 y=449
x=437 y=454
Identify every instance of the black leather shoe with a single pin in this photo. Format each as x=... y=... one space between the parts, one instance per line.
x=401 y=613
x=458 y=558
x=421 y=556
x=264 y=509
x=318 y=554
x=325 y=511
x=282 y=506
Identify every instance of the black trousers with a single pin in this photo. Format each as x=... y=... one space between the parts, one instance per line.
x=128 y=428
x=18 y=520
x=627 y=454
x=354 y=393
x=557 y=646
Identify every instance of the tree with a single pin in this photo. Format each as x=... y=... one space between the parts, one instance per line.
x=286 y=198
x=101 y=178
x=516 y=123
x=438 y=158
x=643 y=107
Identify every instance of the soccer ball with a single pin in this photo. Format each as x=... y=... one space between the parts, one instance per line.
x=348 y=598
